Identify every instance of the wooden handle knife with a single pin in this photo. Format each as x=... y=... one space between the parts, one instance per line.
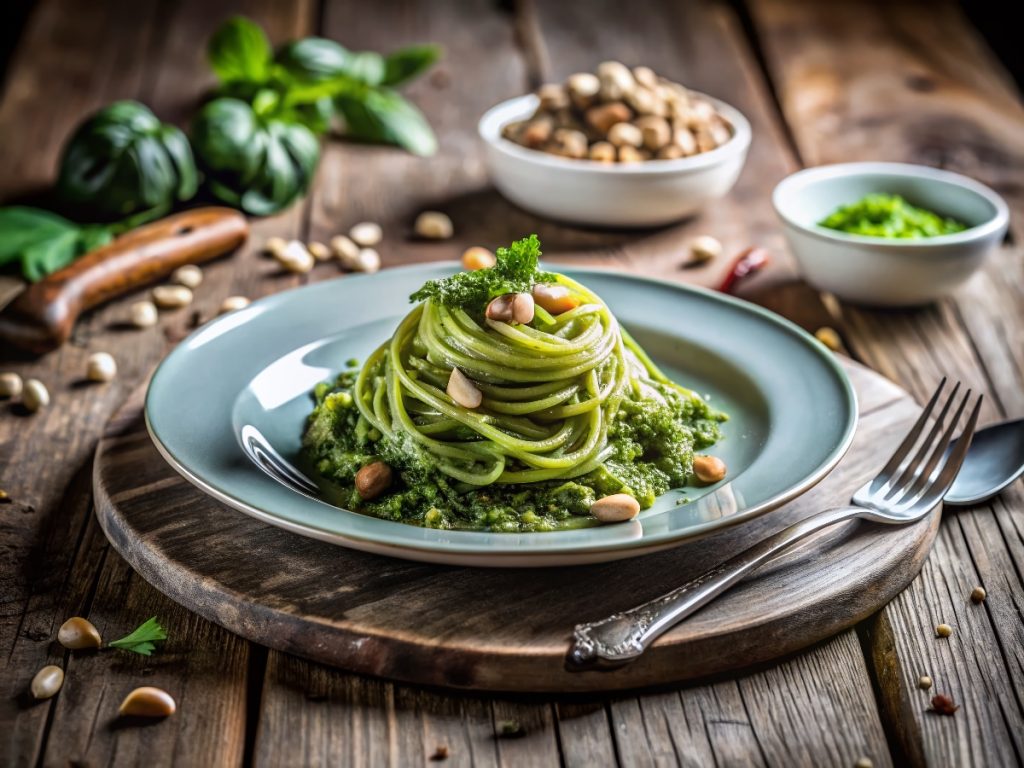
x=42 y=317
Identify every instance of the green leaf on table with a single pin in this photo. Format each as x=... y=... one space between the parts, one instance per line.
x=142 y=639
x=366 y=67
x=383 y=115
x=41 y=242
x=313 y=58
x=239 y=50
x=406 y=63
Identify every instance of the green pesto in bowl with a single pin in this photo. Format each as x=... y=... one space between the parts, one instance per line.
x=890 y=216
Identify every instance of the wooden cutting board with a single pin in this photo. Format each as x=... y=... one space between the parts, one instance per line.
x=496 y=629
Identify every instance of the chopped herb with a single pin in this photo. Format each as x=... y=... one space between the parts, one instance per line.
x=141 y=640
x=516 y=271
x=881 y=215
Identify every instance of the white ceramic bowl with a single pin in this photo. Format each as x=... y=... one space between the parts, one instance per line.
x=884 y=271
x=640 y=194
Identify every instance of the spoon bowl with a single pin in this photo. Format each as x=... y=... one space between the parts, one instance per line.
x=994 y=461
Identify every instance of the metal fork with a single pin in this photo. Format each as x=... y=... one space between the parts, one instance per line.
x=908 y=488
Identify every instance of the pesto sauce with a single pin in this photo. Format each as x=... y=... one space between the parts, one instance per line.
x=653 y=441
x=882 y=215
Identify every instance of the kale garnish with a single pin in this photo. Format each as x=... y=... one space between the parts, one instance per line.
x=517 y=271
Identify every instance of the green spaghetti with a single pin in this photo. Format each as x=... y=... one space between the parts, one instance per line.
x=562 y=409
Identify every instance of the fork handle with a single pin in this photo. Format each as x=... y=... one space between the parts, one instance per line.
x=624 y=636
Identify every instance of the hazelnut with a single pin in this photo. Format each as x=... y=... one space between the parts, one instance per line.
x=978 y=594
x=655 y=131
x=583 y=88
x=628 y=154
x=601 y=118
x=570 y=143
x=373 y=479
x=553 y=96
x=943 y=630
x=684 y=139
x=537 y=131
x=616 y=80
x=670 y=152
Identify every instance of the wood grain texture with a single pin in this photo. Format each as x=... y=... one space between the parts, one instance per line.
x=920 y=87
x=497 y=629
x=55 y=562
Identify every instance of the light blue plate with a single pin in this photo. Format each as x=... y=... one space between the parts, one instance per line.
x=228 y=406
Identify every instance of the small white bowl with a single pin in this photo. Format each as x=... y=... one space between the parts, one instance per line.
x=888 y=271
x=642 y=194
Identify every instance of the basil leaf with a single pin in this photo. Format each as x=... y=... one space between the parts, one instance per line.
x=407 y=63
x=366 y=67
x=239 y=50
x=42 y=242
x=381 y=114
x=313 y=58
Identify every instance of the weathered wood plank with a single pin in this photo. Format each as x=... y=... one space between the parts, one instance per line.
x=899 y=83
x=53 y=553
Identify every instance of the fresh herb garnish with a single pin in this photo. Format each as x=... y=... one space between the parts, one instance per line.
x=517 y=271
x=141 y=640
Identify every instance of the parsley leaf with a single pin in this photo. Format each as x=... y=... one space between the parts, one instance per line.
x=141 y=640
x=517 y=271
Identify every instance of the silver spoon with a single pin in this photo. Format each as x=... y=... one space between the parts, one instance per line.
x=994 y=461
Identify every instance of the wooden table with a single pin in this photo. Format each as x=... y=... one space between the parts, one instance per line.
x=820 y=82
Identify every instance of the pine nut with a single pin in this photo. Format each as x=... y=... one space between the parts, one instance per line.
x=344 y=251
x=602 y=152
x=830 y=338
x=143 y=314
x=709 y=469
x=172 y=296
x=232 y=303
x=10 y=385
x=463 y=391
x=368 y=261
x=319 y=251
x=705 y=248
x=77 y=633
x=101 y=367
x=35 y=395
x=615 y=508
x=275 y=246
x=296 y=258
x=147 y=701
x=366 y=233
x=433 y=225
x=188 y=275
x=47 y=682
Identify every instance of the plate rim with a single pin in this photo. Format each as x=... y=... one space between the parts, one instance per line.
x=454 y=554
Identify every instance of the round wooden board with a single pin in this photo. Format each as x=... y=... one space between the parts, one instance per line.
x=497 y=629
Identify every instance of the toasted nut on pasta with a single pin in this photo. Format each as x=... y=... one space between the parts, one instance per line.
x=372 y=480
x=463 y=391
x=615 y=508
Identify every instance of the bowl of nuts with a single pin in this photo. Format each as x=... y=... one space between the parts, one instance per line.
x=619 y=148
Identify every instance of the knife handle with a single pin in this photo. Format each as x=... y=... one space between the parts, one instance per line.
x=43 y=316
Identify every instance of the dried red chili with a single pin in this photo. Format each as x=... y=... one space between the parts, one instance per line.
x=751 y=260
x=943 y=705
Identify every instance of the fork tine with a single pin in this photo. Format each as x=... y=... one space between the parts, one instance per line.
x=953 y=463
x=908 y=442
x=909 y=470
x=923 y=478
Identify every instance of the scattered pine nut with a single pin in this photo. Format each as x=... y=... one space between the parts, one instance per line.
x=10 y=385
x=978 y=594
x=101 y=367
x=705 y=248
x=434 y=225
x=366 y=233
x=477 y=257
x=47 y=682
x=35 y=395
x=296 y=258
x=345 y=251
x=368 y=261
x=148 y=702
x=943 y=630
x=709 y=469
x=864 y=762
x=830 y=338
x=143 y=314
x=924 y=682
x=275 y=246
x=77 y=633
x=320 y=251
x=232 y=303
x=172 y=296
x=188 y=275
